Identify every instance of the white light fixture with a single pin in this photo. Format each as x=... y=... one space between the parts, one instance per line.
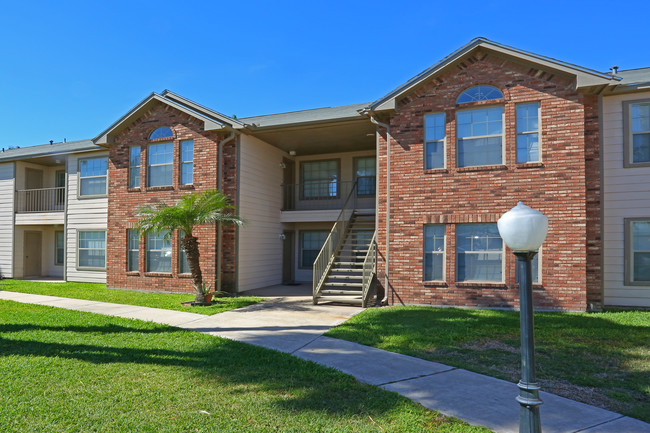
x=292 y=152
x=523 y=228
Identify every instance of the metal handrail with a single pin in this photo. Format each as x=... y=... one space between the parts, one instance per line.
x=369 y=269
x=323 y=262
x=40 y=200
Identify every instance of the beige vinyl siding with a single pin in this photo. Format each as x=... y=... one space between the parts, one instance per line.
x=82 y=214
x=7 y=187
x=260 y=201
x=626 y=194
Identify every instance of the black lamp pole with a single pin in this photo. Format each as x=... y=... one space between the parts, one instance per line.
x=529 y=419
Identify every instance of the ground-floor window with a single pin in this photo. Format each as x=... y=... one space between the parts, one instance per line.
x=133 y=251
x=637 y=251
x=535 y=269
x=434 y=252
x=311 y=242
x=479 y=253
x=59 y=248
x=183 y=267
x=159 y=252
x=92 y=249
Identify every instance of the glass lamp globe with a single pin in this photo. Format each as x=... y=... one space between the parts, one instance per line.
x=523 y=228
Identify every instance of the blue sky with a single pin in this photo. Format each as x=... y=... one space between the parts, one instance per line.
x=68 y=69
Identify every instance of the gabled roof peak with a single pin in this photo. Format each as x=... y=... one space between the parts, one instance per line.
x=584 y=76
x=212 y=120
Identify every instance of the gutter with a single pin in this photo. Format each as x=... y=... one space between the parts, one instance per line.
x=219 y=187
x=387 y=257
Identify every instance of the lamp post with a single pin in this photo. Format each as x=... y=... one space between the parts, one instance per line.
x=524 y=229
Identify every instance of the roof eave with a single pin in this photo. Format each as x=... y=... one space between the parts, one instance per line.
x=209 y=124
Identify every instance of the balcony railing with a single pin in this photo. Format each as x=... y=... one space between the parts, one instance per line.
x=328 y=194
x=40 y=200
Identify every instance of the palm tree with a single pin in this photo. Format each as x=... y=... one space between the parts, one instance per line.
x=207 y=207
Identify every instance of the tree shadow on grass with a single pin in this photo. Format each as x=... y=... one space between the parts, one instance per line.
x=222 y=362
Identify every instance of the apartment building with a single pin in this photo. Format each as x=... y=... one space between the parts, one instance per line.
x=396 y=198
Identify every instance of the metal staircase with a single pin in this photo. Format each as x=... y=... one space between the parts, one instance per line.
x=350 y=273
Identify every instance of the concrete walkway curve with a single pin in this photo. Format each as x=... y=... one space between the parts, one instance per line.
x=291 y=324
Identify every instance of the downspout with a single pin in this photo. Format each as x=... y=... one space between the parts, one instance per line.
x=219 y=187
x=386 y=261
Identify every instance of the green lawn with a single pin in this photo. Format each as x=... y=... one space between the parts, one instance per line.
x=599 y=358
x=69 y=371
x=99 y=292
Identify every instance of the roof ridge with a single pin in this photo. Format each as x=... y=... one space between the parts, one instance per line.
x=302 y=111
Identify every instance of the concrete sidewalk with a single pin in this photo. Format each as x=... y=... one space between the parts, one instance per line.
x=291 y=324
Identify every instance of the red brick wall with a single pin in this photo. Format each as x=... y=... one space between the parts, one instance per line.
x=561 y=186
x=122 y=201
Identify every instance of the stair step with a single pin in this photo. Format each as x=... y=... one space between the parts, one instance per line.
x=347 y=270
x=344 y=278
x=355 y=300
x=342 y=292
x=358 y=264
x=328 y=284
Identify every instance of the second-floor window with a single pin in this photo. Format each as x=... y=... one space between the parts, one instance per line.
x=365 y=172
x=637 y=132
x=187 y=162
x=319 y=179
x=134 y=167
x=434 y=138
x=160 y=163
x=480 y=136
x=528 y=133
x=92 y=176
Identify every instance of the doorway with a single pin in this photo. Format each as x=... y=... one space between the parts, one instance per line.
x=32 y=254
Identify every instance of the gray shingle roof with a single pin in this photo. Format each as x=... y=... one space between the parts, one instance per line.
x=634 y=76
x=305 y=116
x=48 y=149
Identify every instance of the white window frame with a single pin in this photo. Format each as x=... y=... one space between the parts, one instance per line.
x=147 y=251
x=443 y=253
x=90 y=268
x=628 y=153
x=182 y=255
x=135 y=168
x=56 y=248
x=526 y=133
x=502 y=135
x=537 y=257
x=629 y=252
x=186 y=163
x=503 y=258
x=149 y=165
x=129 y=250
x=80 y=178
x=443 y=140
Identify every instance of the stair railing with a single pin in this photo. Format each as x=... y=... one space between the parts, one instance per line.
x=327 y=254
x=369 y=270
